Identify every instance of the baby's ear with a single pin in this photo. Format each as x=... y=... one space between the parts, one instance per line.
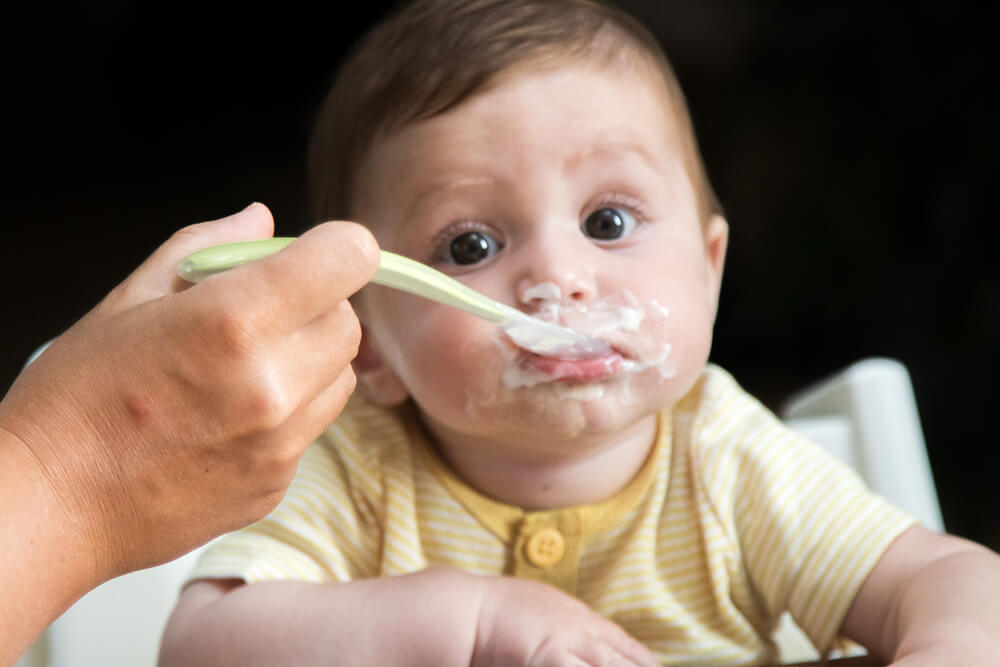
x=716 y=241
x=377 y=382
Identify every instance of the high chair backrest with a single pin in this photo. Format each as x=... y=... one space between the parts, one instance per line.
x=865 y=415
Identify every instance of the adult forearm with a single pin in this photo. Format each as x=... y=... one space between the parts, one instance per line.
x=950 y=608
x=44 y=567
x=417 y=619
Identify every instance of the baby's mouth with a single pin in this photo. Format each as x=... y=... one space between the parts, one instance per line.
x=588 y=369
x=628 y=325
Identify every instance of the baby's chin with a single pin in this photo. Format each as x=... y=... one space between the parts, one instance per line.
x=568 y=408
x=543 y=397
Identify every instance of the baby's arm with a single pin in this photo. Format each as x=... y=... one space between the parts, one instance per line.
x=437 y=617
x=931 y=600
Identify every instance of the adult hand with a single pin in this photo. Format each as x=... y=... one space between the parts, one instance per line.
x=170 y=413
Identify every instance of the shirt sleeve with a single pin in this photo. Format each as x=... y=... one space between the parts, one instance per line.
x=808 y=529
x=325 y=528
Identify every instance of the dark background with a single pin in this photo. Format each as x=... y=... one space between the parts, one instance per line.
x=853 y=145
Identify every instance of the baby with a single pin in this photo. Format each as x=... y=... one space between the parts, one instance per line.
x=479 y=504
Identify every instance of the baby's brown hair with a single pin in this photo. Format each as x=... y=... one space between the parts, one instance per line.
x=431 y=55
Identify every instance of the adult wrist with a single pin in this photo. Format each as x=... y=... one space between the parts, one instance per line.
x=43 y=566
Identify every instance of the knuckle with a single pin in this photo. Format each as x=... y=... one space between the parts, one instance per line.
x=327 y=406
x=342 y=332
x=268 y=405
x=268 y=502
x=186 y=234
x=350 y=326
x=357 y=251
x=276 y=471
x=230 y=334
x=350 y=383
x=367 y=247
x=361 y=244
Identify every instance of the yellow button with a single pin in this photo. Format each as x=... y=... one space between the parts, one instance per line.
x=545 y=548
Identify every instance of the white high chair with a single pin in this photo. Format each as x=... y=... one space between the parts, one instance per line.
x=118 y=624
x=865 y=415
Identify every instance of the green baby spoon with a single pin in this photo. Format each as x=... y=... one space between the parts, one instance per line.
x=402 y=273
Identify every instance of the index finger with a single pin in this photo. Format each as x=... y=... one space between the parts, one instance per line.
x=157 y=275
x=302 y=281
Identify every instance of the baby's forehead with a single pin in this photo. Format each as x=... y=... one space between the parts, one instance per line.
x=649 y=69
x=645 y=114
x=632 y=70
x=637 y=71
x=501 y=146
x=631 y=63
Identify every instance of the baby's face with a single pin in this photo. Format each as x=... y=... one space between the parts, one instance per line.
x=565 y=194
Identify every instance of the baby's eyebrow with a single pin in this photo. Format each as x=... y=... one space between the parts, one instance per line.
x=610 y=149
x=440 y=186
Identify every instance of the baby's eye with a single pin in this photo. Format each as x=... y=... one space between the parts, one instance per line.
x=471 y=248
x=608 y=224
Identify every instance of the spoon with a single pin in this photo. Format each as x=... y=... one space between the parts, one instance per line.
x=402 y=273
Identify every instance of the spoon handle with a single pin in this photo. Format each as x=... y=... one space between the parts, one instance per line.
x=394 y=271
x=410 y=276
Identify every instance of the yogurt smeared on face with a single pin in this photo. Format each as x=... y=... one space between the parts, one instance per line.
x=542 y=291
x=636 y=330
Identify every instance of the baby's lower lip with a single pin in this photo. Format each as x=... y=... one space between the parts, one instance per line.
x=590 y=369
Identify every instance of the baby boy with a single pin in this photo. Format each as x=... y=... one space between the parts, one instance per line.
x=479 y=504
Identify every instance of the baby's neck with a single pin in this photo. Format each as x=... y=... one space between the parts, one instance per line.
x=594 y=470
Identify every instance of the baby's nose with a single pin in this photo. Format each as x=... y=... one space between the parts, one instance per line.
x=555 y=265
x=553 y=284
x=539 y=293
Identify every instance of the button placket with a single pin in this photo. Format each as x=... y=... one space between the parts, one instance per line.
x=545 y=548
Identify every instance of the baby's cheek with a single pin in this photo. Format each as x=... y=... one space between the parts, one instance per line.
x=690 y=336
x=484 y=364
x=461 y=365
x=650 y=344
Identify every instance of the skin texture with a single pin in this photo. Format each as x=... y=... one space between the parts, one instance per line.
x=440 y=617
x=525 y=163
x=169 y=415
x=931 y=600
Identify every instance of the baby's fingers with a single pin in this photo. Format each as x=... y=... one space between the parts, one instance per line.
x=603 y=645
x=617 y=649
x=635 y=652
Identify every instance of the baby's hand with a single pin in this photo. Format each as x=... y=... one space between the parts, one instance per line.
x=528 y=623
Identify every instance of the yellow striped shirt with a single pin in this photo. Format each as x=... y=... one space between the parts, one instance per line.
x=733 y=519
